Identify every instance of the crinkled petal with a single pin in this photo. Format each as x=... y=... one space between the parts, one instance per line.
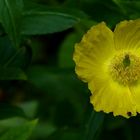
x=90 y=55
x=127 y=35
x=111 y=97
x=135 y=89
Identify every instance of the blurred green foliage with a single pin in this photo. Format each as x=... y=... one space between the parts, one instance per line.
x=37 y=78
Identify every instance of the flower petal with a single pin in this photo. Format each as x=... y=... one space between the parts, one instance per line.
x=136 y=95
x=92 y=52
x=127 y=35
x=111 y=97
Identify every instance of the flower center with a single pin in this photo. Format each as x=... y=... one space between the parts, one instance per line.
x=125 y=68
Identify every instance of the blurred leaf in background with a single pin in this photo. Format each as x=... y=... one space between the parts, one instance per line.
x=15 y=129
x=10 y=18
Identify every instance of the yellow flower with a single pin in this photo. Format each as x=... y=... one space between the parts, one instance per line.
x=110 y=63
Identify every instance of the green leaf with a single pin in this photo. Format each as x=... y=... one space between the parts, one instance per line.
x=32 y=6
x=18 y=132
x=44 y=19
x=65 y=56
x=44 y=22
x=10 y=18
x=94 y=125
x=106 y=11
x=112 y=123
x=64 y=80
x=30 y=108
x=11 y=61
x=61 y=87
x=44 y=129
x=66 y=52
x=131 y=8
x=12 y=74
x=7 y=111
x=66 y=134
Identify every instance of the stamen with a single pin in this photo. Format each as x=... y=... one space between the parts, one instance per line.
x=125 y=68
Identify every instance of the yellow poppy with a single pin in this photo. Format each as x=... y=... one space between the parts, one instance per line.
x=110 y=63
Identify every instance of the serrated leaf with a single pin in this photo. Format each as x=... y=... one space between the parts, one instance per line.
x=44 y=22
x=10 y=18
x=19 y=132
